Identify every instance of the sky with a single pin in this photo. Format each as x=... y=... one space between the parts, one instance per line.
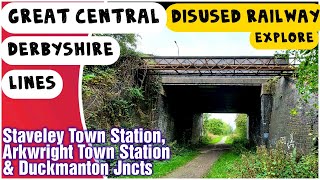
x=200 y=44
x=228 y=118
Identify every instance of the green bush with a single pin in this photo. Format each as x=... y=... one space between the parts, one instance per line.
x=113 y=96
x=238 y=140
x=241 y=125
x=229 y=139
x=135 y=93
x=277 y=163
x=205 y=139
x=239 y=144
x=216 y=126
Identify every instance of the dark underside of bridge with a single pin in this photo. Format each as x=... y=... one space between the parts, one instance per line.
x=186 y=103
x=216 y=84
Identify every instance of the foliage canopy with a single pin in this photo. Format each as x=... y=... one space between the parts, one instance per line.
x=216 y=126
x=307 y=71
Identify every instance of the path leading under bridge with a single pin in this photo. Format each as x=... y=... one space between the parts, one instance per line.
x=196 y=85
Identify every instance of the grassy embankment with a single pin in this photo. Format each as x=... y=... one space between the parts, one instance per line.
x=229 y=140
x=211 y=138
x=261 y=162
x=222 y=168
x=216 y=140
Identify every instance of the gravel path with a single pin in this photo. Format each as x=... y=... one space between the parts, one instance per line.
x=199 y=167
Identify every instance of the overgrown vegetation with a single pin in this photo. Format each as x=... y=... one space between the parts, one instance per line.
x=224 y=167
x=214 y=129
x=216 y=139
x=119 y=95
x=238 y=139
x=277 y=163
x=261 y=162
x=229 y=140
x=307 y=72
x=217 y=127
x=307 y=85
x=127 y=43
x=265 y=163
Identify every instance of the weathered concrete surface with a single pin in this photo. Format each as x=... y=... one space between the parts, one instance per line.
x=266 y=111
x=255 y=137
x=294 y=130
x=268 y=106
x=198 y=80
x=197 y=125
x=164 y=120
x=185 y=104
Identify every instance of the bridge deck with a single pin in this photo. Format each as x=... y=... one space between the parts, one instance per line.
x=218 y=65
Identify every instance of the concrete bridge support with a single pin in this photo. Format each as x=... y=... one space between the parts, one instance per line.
x=197 y=128
x=187 y=99
x=164 y=119
x=266 y=111
x=292 y=120
x=184 y=126
x=268 y=106
x=254 y=129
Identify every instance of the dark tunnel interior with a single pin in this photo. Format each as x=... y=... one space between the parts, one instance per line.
x=186 y=103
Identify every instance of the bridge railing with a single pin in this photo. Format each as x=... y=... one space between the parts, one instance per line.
x=218 y=65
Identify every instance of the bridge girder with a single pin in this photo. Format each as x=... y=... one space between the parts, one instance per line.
x=219 y=65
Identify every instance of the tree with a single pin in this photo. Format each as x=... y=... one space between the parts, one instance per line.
x=127 y=43
x=205 y=117
x=216 y=126
x=241 y=125
x=307 y=71
x=227 y=129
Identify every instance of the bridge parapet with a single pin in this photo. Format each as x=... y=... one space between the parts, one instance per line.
x=219 y=80
x=219 y=65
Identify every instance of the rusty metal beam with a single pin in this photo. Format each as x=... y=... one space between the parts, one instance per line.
x=238 y=65
x=218 y=67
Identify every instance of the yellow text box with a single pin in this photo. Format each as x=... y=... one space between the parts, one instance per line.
x=284 y=40
x=242 y=17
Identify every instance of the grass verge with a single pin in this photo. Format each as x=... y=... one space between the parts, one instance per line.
x=216 y=140
x=224 y=166
x=229 y=140
x=162 y=168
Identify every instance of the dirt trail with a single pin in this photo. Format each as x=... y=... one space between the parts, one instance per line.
x=199 y=167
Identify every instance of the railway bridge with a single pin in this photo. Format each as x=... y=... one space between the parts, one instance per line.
x=196 y=85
